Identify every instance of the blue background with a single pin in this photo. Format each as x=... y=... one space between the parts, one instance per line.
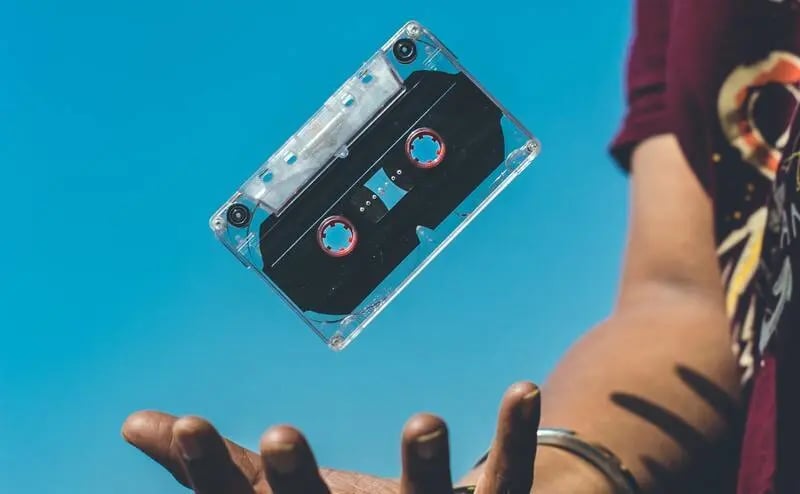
x=124 y=125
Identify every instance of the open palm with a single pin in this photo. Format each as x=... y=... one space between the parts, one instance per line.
x=199 y=458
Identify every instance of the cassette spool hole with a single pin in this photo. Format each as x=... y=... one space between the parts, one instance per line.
x=337 y=236
x=425 y=148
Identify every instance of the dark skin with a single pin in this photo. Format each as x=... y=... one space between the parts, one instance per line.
x=639 y=383
x=199 y=458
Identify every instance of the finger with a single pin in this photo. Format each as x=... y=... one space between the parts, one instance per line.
x=206 y=459
x=151 y=433
x=509 y=467
x=289 y=464
x=426 y=456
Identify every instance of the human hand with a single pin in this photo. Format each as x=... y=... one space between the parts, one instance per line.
x=199 y=458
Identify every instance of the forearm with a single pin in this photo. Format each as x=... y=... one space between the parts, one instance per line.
x=655 y=383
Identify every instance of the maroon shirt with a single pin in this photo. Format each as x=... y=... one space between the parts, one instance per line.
x=724 y=77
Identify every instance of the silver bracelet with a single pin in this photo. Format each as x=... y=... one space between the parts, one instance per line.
x=598 y=456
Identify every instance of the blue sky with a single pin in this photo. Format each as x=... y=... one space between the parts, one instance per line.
x=124 y=125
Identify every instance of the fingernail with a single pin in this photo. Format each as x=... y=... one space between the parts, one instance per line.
x=531 y=397
x=428 y=445
x=529 y=402
x=189 y=446
x=282 y=457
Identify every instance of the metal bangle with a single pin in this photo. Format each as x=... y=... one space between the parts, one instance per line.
x=598 y=456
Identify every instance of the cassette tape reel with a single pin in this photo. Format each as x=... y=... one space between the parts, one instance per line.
x=392 y=167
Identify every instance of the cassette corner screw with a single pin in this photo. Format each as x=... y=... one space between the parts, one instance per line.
x=413 y=30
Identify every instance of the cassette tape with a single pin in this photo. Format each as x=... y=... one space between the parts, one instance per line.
x=396 y=163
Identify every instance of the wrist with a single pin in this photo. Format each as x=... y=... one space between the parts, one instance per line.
x=558 y=471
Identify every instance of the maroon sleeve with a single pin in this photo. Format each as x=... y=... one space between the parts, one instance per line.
x=711 y=72
x=646 y=114
x=732 y=74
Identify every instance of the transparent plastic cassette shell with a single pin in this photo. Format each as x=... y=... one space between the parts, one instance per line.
x=396 y=163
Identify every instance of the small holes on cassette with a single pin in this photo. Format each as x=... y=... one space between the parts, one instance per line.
x=235 y=223
x=405 y=50
x=348 y=100
x=367 y=203
x=415 y=50
x=238 y=215
x=366 y=78
x=383 y=190
x=337 y=236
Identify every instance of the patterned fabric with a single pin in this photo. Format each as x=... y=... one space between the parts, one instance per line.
x=724 y=77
